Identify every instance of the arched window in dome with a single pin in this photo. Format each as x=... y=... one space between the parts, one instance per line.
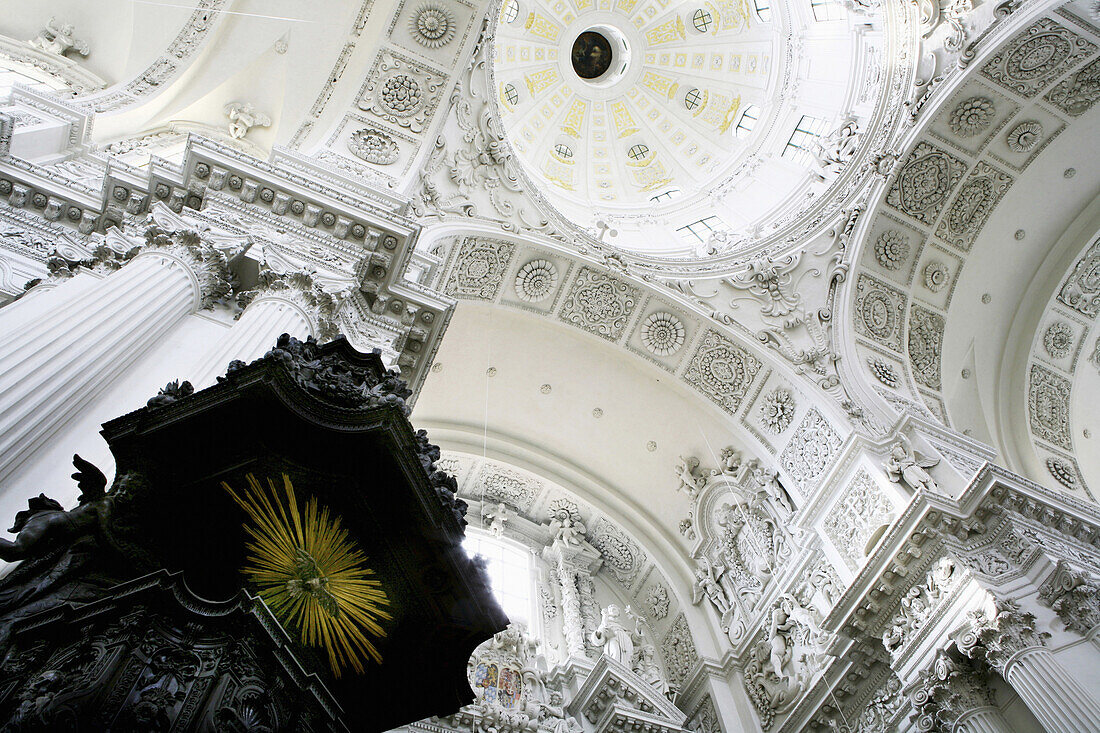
x=693 y=98
x=747 y=122
x=801 y=142
x=511 y=94
x=563 y=150
x=763 y=10
x=638 y=152
x=702 y=20
x=511 y=575
x=826 y=10
x=698 y=232
x=510 y=12
x=668 y=195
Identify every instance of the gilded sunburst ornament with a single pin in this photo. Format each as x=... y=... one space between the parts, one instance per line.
x=312 y=574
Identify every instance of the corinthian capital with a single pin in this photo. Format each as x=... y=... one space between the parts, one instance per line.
x=1000 y=634
x=208 y=265
x=947 y=690
x=1074 y=596
x=300 y=288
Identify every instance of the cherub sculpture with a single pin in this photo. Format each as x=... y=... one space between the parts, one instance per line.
x=242 y=118
x=690 y=482
x=59 y=40
x=904 y=464
x=566 y=529
x=495 y=518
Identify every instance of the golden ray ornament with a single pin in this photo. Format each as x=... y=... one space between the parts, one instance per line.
x=312 y=574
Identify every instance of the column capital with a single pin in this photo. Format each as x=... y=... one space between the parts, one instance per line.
x=1074 y=596
x=301 y=289
x=1000 y=634
x=208 y=265
x=949 y=689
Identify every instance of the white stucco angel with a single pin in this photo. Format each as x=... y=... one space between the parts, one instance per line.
x=707 y=586
x=242 y=118
x=566 y=529
x=495 y=518
x=615 y=640
x=835 y=150
x=806 y=618
x=781 y=629
x=907 y=465
x=689 y=481
x=59 y=39
x=768 y=481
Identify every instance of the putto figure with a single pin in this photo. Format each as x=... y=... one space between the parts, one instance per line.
x=242 y=118
x=59 y=40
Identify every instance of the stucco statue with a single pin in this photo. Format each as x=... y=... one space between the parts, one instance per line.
x=496 y=517
x=566 y=529
x=649 y=670
x=553 y=718
x=806 y=618
x=731 y=461
x=836 y=150
x=907 y=465
x=242 y=118
x=781 y=628
x=689 y=481
x=768 y=480
x=59 y=40
x=45 y=525
x=707 y=586
x=614 y=639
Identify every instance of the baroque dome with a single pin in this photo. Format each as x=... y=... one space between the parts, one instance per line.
x=706 y=121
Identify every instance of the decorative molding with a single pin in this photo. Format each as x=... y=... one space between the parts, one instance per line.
x=722 y=371
x=599 y=303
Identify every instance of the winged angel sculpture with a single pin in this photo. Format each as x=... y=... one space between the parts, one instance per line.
x=904 y=464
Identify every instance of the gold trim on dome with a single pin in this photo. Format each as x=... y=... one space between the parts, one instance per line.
x=670 y=31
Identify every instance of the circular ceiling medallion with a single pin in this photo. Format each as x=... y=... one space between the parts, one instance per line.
x=591 y=55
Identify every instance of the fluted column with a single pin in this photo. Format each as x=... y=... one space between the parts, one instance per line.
x=1011 y=645
x=62 y=349
x=282 y=303
x=954 y=695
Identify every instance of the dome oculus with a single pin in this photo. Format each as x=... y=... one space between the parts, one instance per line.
x=591 y=55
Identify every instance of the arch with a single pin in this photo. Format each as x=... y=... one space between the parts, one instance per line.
x=943 y=218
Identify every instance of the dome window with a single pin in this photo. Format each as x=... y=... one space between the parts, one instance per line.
x=747 y=122
x=665 y=195
x=511 y=96
x=638 y=152
x=808 y=130
x=693 y=99
x=826 y=10
x=563 y=150
x=763 y=10
x=698 y=232
x=702 y=20
x=510 y=11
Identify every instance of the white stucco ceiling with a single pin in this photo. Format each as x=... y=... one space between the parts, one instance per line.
x=510 y=411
